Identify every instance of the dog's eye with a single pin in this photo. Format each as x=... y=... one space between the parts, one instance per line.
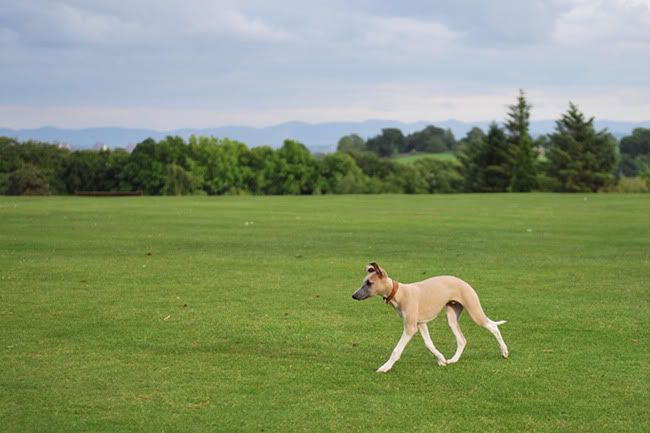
x=369 y=283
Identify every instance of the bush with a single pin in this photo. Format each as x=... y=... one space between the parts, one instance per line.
x=340 y=174
x=547 y=183
x=628 y=184
x=178 y=181
x=439 y=176
x=405 y=179
x=631 y=166
x=646 y=176
x=27 y=180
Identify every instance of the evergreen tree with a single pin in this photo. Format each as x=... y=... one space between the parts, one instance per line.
x=469 y=153
x=497 y=160
x=521 y=146
x=580 y=159
x=486 y=160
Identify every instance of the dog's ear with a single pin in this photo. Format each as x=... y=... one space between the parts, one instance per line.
x=375 y=268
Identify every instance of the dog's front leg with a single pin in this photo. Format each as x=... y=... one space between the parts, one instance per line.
x=424 y=332
x=409 y=332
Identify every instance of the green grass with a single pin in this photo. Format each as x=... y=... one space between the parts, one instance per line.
x=175 y=315
x=409 y=158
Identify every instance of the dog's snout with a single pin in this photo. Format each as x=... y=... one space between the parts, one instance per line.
x=360 y=295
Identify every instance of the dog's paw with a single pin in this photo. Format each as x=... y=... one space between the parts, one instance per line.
x=451 y=361
x=383 y=369
x=505 y=354
x=442 y=362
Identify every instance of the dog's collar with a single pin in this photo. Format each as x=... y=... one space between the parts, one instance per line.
x=392 y=292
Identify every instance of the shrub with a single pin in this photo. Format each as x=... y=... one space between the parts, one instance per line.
x=27 y=180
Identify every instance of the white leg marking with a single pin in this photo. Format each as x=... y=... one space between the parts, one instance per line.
x=397 y=352
x=424 y=332
x=453 y=312
x=494 y=329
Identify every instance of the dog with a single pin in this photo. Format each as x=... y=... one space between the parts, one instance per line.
x=419 y=303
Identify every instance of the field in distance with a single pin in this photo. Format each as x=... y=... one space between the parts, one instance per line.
x=409 y=158
x=234 y=314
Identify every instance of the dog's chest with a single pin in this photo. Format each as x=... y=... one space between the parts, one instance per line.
x=398 y=311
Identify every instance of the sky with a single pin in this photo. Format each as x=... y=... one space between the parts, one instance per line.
x=198 y=63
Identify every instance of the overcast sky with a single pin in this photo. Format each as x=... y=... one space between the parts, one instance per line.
x=199 y=63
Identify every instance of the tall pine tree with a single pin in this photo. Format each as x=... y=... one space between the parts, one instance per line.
x=580 y=159
x=485 y=160
x=497 y=159
x=469 y=153
x=524 y=177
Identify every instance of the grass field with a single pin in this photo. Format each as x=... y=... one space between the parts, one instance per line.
x=410 y=158
x=234 y=314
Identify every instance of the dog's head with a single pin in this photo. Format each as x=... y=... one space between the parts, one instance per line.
x=375 y=282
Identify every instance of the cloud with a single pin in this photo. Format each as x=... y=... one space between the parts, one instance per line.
x=87 y=27
x=7 y=36
x=254 y=61
x=63 y=25
x=486 y=23
x=253 y=28
x=604 y=21
x=407 y=33
x=216 y=19
x=136 y=24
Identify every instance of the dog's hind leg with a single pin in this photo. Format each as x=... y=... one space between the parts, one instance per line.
x=493 y=327
x=424 y=332
x=475 y=311
x=453 y=314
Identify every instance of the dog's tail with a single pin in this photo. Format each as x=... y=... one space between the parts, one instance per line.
x=500 y=322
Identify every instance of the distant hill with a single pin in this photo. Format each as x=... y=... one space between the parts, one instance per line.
x=319 y=137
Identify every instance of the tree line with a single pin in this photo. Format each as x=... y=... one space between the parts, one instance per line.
x=574 y=158
x=212 y=166
x=392 y=141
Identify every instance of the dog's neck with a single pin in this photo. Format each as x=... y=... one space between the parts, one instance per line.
x=393 y=291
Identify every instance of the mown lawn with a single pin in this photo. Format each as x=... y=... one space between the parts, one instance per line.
x=234 y=314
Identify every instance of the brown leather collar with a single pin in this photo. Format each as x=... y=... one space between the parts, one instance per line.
x=392 y=292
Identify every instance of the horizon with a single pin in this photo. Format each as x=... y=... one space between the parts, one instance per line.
x=319 y=137
x=204 y=64
x=300 y=122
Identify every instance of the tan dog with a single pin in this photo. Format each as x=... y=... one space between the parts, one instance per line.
x=419 y=303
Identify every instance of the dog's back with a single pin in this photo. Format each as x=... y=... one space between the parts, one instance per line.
x=436 y=292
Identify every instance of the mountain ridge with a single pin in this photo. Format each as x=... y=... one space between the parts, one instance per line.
x=319 y=137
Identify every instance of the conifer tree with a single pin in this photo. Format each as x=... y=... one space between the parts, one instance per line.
x=469 y=153
x=581 y=159
x=497 y=160
x=485 y=160
x=523 y=175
